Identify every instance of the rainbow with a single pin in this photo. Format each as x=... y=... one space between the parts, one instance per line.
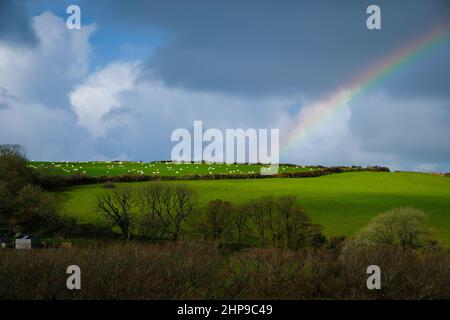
x=326 y=108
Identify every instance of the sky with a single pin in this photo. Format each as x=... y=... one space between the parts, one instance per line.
x=137 y=70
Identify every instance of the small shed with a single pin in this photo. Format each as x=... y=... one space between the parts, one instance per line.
x=28 y=241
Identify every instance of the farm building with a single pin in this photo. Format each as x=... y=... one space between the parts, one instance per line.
x=28 y=241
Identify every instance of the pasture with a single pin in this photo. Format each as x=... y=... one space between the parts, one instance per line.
x=342 y=203
x=120 y=168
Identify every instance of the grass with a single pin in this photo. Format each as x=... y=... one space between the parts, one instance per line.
x=343 y=203
x=98 y=168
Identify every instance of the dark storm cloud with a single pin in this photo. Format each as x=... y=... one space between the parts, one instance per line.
x=269 y=47
x=15 y=23
x=415 y=129
x=428 y=76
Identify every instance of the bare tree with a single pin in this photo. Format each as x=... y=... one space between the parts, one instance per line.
x=258 y=217
x=152 y=200
x=240 y=220
x=285 y=206
x=265 y=216
x=272 y=219
x=184 y=203
x=163 y=209
x=116 y=206
x=297 y=230
x=216 y=219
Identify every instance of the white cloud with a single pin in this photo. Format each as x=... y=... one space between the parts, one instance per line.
x=35 y=81
x=46 y=71
x=100 y=94
x=137 y=116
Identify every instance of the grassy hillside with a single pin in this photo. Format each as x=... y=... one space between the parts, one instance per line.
x=99 y=168
x=342 y=203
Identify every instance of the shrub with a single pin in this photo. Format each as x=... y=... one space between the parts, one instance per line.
x=403 y=227
x=112 y=271
x=14 y=175
x=14 y=171
x=35 y=211
x=186 y=270
x=405 y=273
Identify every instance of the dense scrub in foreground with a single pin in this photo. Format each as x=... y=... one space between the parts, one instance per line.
x=186 y=270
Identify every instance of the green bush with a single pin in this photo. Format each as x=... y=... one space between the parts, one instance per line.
x=403 y=227
x=14 y=172
x=35 y=212
x=14 y=175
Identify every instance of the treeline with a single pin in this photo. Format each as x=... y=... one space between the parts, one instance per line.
x=162 y=211
x=264 y=222
x=53 y=182
x=169 y=212
x=187 y=270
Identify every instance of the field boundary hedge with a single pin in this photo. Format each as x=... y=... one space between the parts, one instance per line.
x=60 y=181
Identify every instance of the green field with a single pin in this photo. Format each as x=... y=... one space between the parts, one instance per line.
x=118 y=168
x=343 y=203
